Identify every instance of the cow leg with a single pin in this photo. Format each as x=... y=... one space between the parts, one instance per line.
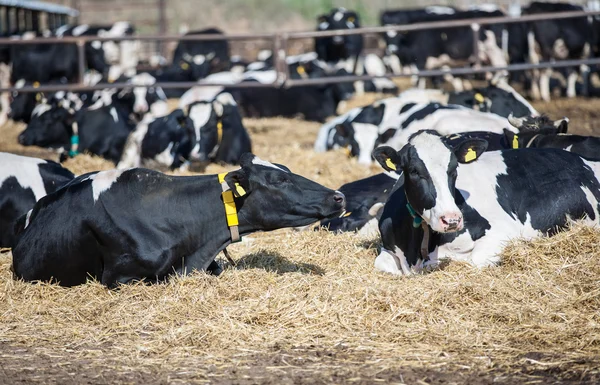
x=4 y=98
x=571 y=83
x=584 y=70
x=387 y=262
x=393 y=62
x=467 y=85
x=486 y=252
x=534 y=58
x=545 y=84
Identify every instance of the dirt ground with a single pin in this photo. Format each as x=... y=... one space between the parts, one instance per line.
x=307 y=307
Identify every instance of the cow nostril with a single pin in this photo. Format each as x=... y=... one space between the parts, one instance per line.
x=339 y=198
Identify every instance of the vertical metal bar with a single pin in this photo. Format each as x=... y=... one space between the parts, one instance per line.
x=279 y=60
x=81 y=60
x=162 y=25
x=17 y=21
x=475 y=28
x=35 y=21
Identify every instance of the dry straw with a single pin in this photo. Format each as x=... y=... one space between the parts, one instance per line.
x=313 y=301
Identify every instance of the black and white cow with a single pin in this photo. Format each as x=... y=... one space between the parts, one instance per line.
x=166 y=140
x=216 y=52
x=24 y=181
x=365 y=199
x=557 y=40
x=463 y=203
x=139 y=224
x=220 y=133
x=447 y=47
x=99 y=130
x=23 y=104
x=392 y=122
x=336 y=48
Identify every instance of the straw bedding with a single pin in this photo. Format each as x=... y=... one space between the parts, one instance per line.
x=307 y=307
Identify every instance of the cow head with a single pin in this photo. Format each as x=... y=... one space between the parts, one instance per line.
x=22 y=104
x=272 y=197
x=340 y=46
x=338 y=18
x=169 y=139
x=94 y=56
x=195 y=67
x=430 y=170
x=51 y=126
x=539 y=125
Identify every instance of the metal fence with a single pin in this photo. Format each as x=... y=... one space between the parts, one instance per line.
x=279 y=43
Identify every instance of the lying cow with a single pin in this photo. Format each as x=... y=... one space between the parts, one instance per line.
x=463 y=203
x=363 y=129
x=23 y=181
x=166 y=140
x=365 y=199
x=143 y=225
x=220 y=133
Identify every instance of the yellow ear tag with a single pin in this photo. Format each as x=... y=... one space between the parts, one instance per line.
x=184 y=66
x=111 y=80
x=351 y=19
x=38 y=97
x=470 y=155
x=36 y=84
x=301 y=70
x=347 y=214
x=479 y=98
x=348 y=151
x=390 y=164
x=515 y=141
x=240 y=190
x=219 y=131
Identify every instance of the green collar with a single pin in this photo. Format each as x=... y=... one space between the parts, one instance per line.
x=417 y=220
x=74 y=146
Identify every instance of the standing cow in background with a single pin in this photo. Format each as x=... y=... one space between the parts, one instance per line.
x=215 y=52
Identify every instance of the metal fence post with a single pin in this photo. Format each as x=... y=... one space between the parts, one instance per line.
x=81 y=60
x=475 y=27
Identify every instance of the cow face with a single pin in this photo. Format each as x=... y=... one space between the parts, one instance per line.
x=94 y=55
x=195 y=67
x=540 y=125
x=50 y=126
x=22 y=104
x=339 y=18
x=169 y=139
x=359 y=139
x=430 y=171
x=273 y=197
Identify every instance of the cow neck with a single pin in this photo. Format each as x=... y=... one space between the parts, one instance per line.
x=418 y=221
x=214 y=151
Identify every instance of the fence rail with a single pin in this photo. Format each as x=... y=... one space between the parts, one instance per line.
x=279 y=48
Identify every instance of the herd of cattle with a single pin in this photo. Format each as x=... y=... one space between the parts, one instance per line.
x=465 y=171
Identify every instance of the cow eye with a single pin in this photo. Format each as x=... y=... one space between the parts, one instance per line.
x=414 y=172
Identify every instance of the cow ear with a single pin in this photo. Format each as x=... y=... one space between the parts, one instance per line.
x=562 y=125
x=322 y=19
x=238 y=182
x=512 y=139
x=387 y=157
x=387 y=135
x=469 y=150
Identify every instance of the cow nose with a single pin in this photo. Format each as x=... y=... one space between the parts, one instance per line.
x=339 y=198
x=22 y=139
x=452 y=222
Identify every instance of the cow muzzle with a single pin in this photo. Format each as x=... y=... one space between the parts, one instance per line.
x=338 y=39
x=451 y=222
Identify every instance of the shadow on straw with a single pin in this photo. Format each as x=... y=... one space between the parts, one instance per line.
x=275 y=262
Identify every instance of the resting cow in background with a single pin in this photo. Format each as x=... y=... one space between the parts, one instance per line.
x=24 y=181
x=462 y=203
x=122 y=235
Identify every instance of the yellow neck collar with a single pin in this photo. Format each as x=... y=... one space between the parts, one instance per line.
x=230 y=208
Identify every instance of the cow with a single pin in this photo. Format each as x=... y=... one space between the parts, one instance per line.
x=216 y=52
x=165 y=140
x=188 y=69
x=392 y=122
x=462 y=203
x=139 y=224
x=446 y=47
x=99 y=130
x=337 y=48
x=563 y=39
x=122 y=55
x=220 y=133
x=541 y=132
x=24 y=181
x=365 y=199
x=23 y=104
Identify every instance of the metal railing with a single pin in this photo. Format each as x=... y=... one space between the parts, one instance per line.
x=280 y=41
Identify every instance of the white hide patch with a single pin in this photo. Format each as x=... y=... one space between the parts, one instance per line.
x=25 y=170
x=166 y=157
x=41 y=109
x=96 y=44
x=338 y=16
x=113 y=113
x=200 y=114
x=259 y=162
x=226 y=99
x=439 y=10
x=20 y=83
x=28 y=217
x=436 y=157
x=327 y=130
x=103 y=180
x=80 y=29
x=593 y=202
x=365 y=135
x=199 y=59
x=263 y=77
